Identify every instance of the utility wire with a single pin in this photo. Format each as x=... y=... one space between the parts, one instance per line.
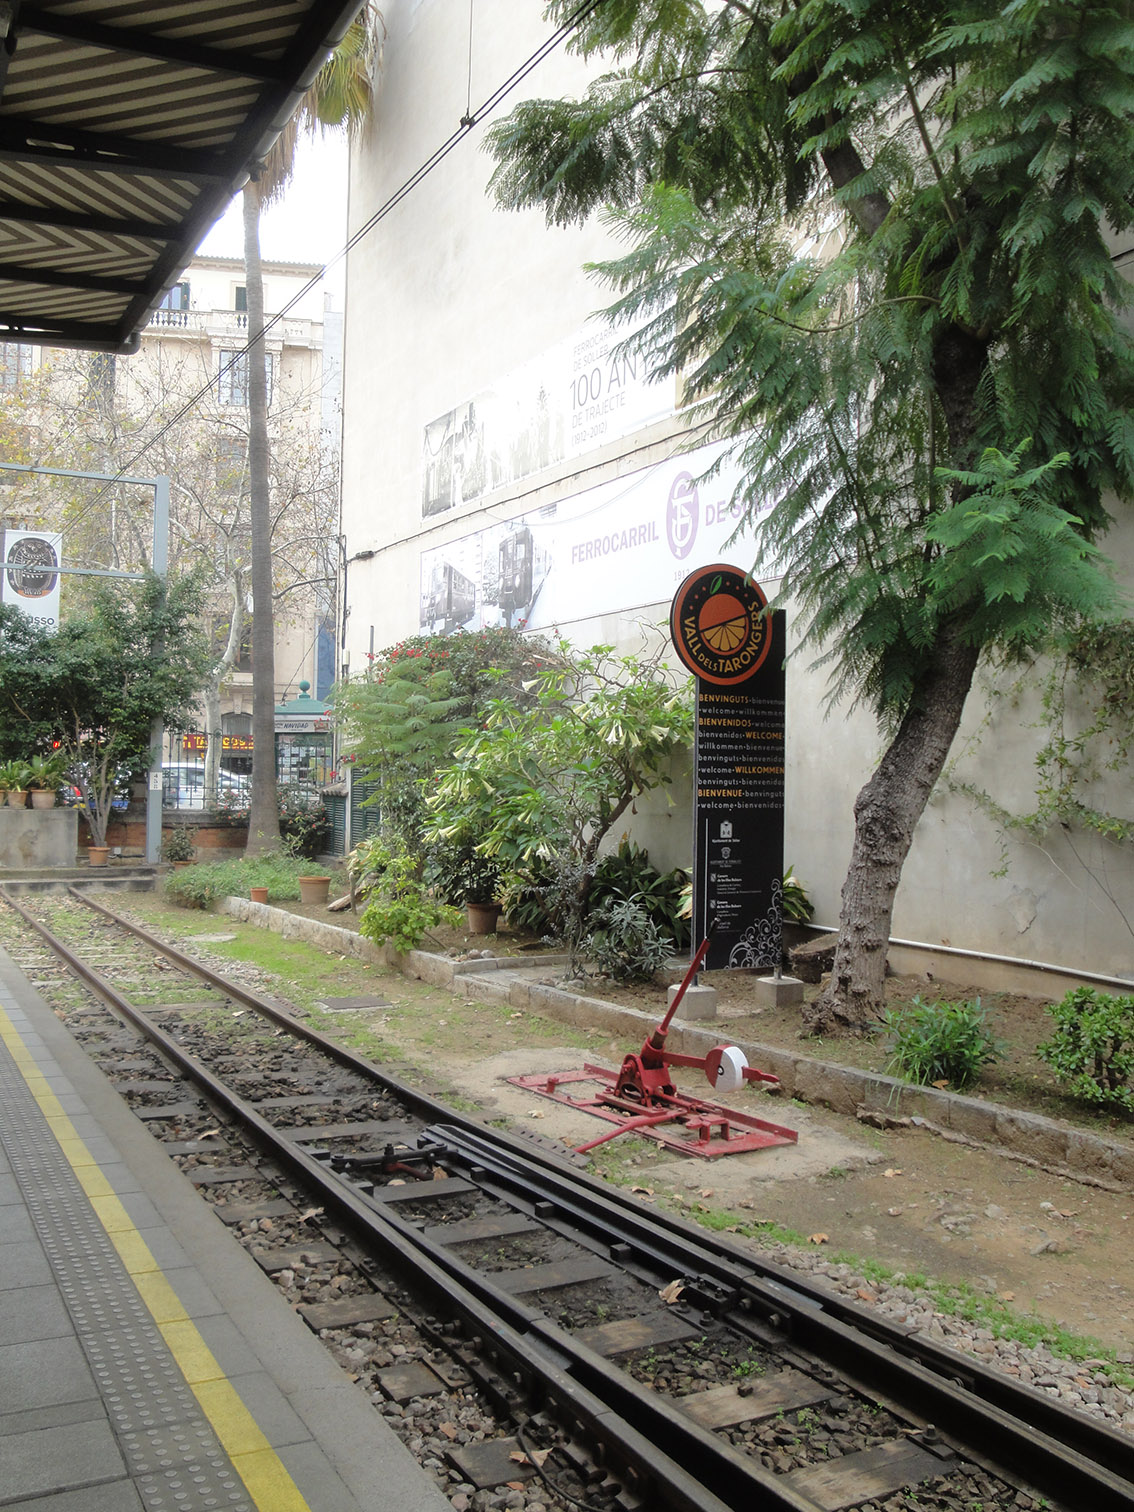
x=468 y=121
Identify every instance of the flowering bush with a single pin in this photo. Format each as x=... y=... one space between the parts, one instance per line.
x=305 y=825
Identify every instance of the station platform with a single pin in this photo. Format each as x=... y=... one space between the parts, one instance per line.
x=147 y=1364
x=123 y=876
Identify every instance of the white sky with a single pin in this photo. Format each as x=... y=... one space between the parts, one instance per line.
x=309 y=224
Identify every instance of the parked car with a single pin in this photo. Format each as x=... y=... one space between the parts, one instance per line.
x=71 y=795
x=183 y=786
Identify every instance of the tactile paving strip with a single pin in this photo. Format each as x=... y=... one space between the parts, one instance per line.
x=170 y=1449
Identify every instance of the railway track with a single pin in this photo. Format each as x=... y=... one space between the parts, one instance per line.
x=614 y=1357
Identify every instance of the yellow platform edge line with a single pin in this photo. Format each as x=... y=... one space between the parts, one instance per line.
x=255 y=1461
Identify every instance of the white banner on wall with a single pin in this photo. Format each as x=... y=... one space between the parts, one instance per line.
x=621 y=545
x=29 y=576
x=565 y=402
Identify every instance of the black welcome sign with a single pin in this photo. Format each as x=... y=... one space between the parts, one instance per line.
x=724 y=634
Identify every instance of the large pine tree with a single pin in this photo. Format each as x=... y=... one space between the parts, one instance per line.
x=876 y=238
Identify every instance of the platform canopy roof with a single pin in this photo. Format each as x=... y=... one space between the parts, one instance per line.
x=126 y=126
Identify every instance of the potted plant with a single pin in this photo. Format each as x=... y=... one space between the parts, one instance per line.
x=462 y=875
x=314 y=889
x=45 y=775
x=15 y=777
x=178 y=847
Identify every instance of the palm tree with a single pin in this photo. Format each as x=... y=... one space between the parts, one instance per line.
x=340 y=97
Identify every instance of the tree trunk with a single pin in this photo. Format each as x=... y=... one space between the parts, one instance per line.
x=212 y=695
x=886 y=813
x=264 y=817
x=888 y=808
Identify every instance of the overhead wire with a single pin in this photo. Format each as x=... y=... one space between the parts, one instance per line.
x=468 y=121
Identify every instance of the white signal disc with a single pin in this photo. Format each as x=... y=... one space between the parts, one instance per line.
x=729 y=1067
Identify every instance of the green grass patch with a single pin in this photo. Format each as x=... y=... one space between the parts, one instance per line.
x=198 y=886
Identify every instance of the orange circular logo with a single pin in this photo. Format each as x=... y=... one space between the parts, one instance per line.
x=718 y=624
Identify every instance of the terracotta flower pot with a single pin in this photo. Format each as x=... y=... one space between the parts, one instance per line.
x=314 y=889
x=258 y=894
x=97 y=854
x=43 y=798
x=17 y=798
x=483 y=917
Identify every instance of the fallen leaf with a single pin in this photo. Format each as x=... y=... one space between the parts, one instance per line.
x=514 y=1485
x=208 y=1134
x=706 y=1191
x=865 y=1296
x=672 y=1292
x=645 y=1191
x=450 y=1430
x=1006 y=1296
x=536 y=1457
x=536 y=1113
x=311 y=1213
x=942 y=1084
x=893 y=1171
x=817 y=1238
x=439 y=1174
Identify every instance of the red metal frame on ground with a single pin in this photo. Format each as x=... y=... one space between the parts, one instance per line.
x=708 y=1129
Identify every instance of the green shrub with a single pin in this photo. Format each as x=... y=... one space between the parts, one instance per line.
x=178 y=845
x=198 y=886
x=405 y=920
x=401 y=908
x=625 y=942
x=305 y=825
x=796 y=904
x=626 y=874
x=940 y=1042
x=460 y=874
x=1092 y=1049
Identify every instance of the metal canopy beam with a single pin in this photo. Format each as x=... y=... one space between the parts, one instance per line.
x=52 y=145
x=108 y=225
x=68 y=279
x=143 y=44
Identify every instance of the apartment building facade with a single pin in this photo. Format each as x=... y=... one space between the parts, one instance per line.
x=179 y=406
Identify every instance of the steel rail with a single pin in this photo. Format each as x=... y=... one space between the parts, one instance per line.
x=511 y=1330
x=1023 y=1431
x=1032 y=1435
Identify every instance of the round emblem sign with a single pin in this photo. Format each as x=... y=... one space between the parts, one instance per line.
x=31 y=567
x=718 y=625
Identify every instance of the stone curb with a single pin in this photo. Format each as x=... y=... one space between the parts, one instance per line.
x=1029 y=1137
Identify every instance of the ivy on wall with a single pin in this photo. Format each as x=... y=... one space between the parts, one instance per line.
x=1087 y=724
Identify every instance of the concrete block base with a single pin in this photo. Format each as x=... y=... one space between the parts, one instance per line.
x=778 y=992
x=698 y=1002
x=38 y=837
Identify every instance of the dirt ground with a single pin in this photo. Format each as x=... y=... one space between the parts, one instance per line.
x=904 y=1197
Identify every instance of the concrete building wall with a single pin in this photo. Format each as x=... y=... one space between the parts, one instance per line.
x=459 y=315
